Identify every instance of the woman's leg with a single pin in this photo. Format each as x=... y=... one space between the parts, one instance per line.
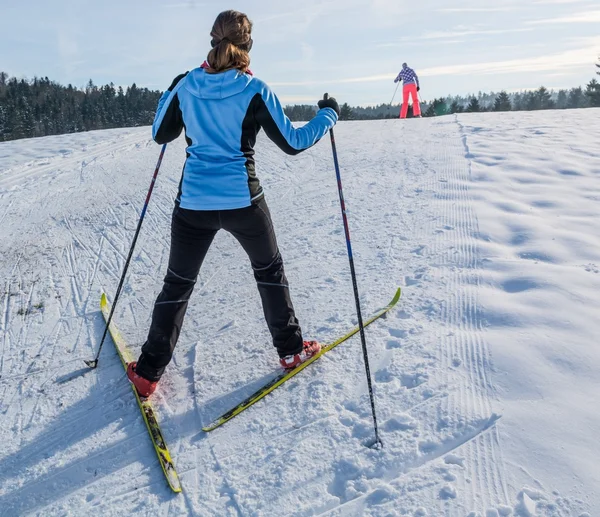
x=405 y=91
x=415 y=99
x=253 y=229
x=191 y=235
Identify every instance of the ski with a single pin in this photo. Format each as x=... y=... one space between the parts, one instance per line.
x=160 y=446
x=285 y=376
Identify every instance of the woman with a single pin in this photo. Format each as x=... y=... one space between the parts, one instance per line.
x=222 y=107
x=410 y=88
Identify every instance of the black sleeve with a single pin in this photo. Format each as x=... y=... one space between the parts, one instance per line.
x=172 y=123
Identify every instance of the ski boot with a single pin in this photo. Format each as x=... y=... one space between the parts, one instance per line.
x=309 y=349
x=143 y=386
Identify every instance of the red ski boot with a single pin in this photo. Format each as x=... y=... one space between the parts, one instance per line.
x=310 y=348
x=144 y=387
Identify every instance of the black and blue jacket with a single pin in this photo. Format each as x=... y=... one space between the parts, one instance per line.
x=222 y=114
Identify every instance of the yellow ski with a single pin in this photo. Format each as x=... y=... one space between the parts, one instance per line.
x=284 y=376
x=160 y=446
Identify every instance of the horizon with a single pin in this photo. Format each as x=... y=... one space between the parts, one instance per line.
x=397 y=99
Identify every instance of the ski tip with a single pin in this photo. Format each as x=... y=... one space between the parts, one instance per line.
x=103 y=299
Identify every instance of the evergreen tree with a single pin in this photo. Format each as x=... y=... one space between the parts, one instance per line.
x=346 y=112
x=3 y=123
x=544 y=98
x=593 y=93
x=24 y=120
x=576 y=98
x=455 y=107
x=531 y=101
x=440 y=107
x=502 y=102
x=562 y=100
x=300 y=113
x=518 y=101
x=473 y=106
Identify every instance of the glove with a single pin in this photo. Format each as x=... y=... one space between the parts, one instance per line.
x=396 y=80
x=418 y=88
x=176 y=80
x=330 y=102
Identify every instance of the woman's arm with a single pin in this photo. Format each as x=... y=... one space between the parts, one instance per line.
x=168 y=121
x=270 y=116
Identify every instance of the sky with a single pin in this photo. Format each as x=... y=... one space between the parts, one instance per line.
x=351 y=49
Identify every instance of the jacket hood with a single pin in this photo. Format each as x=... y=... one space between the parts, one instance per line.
x=216 y=86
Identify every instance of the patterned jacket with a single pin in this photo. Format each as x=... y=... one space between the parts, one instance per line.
x=407 y=75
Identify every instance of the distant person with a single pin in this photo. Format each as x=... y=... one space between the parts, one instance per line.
x=222 y=107
x=411 y=87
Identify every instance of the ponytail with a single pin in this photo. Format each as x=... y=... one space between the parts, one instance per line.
x=231 y=42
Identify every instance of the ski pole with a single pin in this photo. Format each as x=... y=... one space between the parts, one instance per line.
x=378 y=443
x=94 y=362
x=395 y=91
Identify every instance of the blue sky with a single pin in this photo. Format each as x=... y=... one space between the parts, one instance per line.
x=351 y=48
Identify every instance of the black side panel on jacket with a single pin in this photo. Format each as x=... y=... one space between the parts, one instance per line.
x=265 y=120
x=250 y=128
x=172 y=123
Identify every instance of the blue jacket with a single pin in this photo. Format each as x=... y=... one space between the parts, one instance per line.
x=222 y=114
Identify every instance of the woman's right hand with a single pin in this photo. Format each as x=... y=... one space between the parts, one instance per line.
x=330 y=102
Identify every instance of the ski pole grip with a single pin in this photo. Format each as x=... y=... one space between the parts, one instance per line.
x=325 y=96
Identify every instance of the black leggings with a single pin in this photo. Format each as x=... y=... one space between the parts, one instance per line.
x=192 y=232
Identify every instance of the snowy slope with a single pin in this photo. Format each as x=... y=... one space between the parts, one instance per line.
x=486 y=375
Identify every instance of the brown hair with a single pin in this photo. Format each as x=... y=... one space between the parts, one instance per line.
x=231 y=42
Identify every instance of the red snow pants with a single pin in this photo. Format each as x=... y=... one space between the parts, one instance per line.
x=410 y=89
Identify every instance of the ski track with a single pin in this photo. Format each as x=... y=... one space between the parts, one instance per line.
x=78 y=444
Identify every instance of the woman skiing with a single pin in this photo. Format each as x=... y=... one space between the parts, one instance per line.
x=410 y=88
x=222 y=107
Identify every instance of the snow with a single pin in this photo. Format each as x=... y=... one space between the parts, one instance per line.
x=486 y=374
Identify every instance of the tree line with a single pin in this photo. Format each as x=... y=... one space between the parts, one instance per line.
x=41 y=107
x=540 y=99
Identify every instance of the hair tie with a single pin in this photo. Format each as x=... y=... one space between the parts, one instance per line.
x=244 y=46
x=214 y=42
